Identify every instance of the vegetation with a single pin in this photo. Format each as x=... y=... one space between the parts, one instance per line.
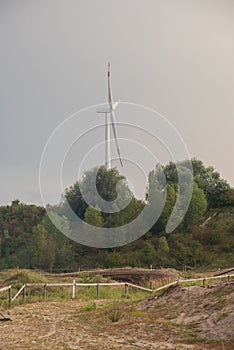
x=136 y=322
x=22 y=276
x=28 y=239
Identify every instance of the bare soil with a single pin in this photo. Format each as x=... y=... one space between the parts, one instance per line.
x=131 y=275
x=181 y=318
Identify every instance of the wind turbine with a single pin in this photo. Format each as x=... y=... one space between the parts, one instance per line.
x=110 y=121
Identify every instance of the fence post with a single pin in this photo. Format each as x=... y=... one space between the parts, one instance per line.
x=73 y=289
x=228 y=278
x=125 y=288
x=9 y=296
x=97 y=289
x=24 y=292
x=45 y=292
x=204 y=282
x=151 y=286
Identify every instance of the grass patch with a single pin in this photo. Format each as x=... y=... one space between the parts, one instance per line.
x=222 y=292
x=194 y=338
x=137 y=313
x=36 y=293
x=193 y=325
x=191 y=284
x=115 y=312
x=85 y=277
x=220 y=304
x=160 y=282
x=20 y=277
x=221 y=316
x=90 y=307
x=171 y=324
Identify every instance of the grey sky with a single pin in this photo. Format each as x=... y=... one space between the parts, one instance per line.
x=175 y=56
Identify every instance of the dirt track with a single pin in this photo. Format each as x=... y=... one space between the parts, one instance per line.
x=139 y=276
x=135 y=276
x=179 y=319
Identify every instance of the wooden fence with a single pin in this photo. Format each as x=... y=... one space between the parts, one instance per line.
x=7 y=289
x=126 y=285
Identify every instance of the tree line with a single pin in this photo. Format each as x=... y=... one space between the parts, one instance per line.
x=28 y=239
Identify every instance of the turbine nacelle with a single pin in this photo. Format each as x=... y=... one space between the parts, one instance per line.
x=108 y=109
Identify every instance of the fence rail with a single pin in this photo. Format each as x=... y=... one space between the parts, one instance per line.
x=126 y=285
x=18 y=293
x=4 y=289
x=165 y=286
x=207 y=278
x=139 y=287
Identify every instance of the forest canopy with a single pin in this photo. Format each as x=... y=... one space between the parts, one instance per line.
x=205 y=236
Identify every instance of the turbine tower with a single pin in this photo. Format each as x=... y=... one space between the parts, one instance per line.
x=110 y=121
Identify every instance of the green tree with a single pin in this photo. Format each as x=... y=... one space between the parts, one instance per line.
x=16 y=225
x=229 y=198
x=45 y=248
x=169 y=205
x=197 y=208
x=155 y=197
x=126 y=215
x=186 y=251
x=148 y=253
x=105 y=181
x=161 y=223
x=93 y=216
x=64 y=254
x=162 y=251
x=114 y=259
x=210 y=181
x=164 y=181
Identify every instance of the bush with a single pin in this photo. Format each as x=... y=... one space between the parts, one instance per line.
x=24 y=276
x=115 y=312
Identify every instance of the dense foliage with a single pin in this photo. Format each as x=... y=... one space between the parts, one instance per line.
x=205 y=237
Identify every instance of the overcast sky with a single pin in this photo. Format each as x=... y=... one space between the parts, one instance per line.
x=174 y=56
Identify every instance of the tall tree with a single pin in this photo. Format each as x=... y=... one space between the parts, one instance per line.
x=210 y=181
x=45 y=248
x=105 y=182
x=125 y=216
x=148 y=253
x=16 y=226
x=93 y=216
x=197 y=208
x=64 y=254
x=162 y=251
x=161 y=223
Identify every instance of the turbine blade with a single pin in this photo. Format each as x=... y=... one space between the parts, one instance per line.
x=109 y=86
x=104 y=109
x=115 y=135
x=115 y=104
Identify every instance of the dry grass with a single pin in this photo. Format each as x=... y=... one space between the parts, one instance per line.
x=175 y=320
x=180 y=318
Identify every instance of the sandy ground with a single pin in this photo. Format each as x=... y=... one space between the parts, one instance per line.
x=182 y=318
